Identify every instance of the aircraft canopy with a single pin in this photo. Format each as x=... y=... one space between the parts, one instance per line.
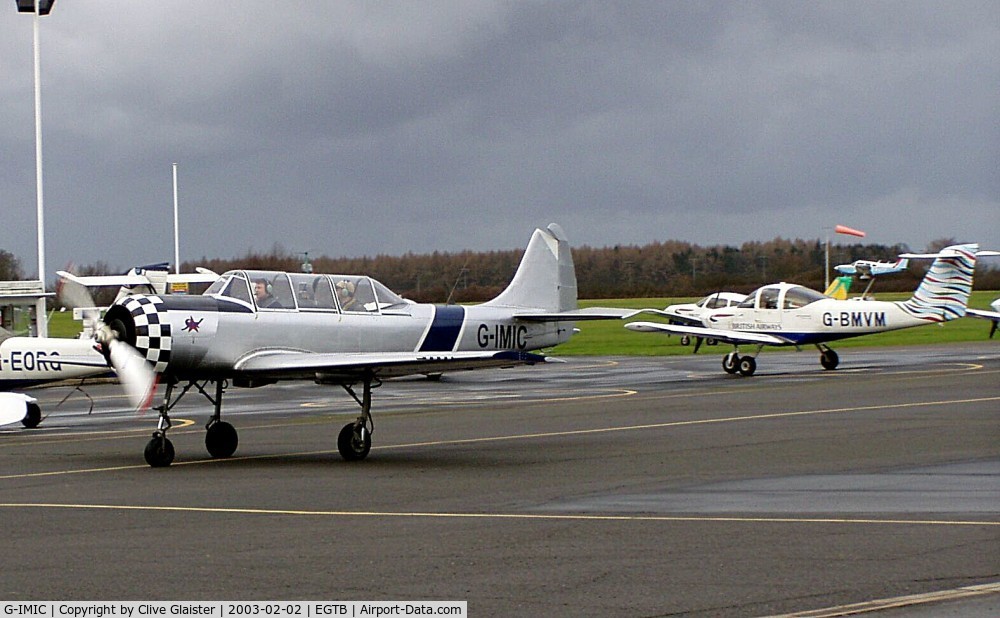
x=272 y=290
x=781 y=296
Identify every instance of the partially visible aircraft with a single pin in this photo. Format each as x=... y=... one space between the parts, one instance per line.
x=252 y=328
x=785 y=314
x=690 y=313
x=33 y=361
x=987 y=315
x=839 y=288
x=866 y=269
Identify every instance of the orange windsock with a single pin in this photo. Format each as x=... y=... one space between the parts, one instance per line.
x=843 y=229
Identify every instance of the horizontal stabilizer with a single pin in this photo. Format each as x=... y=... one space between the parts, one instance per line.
x=576 y=315
x=946 y=253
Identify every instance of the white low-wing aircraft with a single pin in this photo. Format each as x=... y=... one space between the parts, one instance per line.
x=33 y=361
x=866 y=269
x=785 y=314
x=253 y=328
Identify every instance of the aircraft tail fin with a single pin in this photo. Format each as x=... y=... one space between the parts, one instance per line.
x=944 y=292
x=546 y=278
x=839 y=288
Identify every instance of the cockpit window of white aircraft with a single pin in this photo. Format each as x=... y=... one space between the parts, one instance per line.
x=800 y=297
x=220 y=283
x=271 y=290
x=713 y=302
x=355 y=294
x=313 y=292
x=238 y=289
x=386 y=297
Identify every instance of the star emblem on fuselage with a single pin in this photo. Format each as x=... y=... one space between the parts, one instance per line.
x=191 y=326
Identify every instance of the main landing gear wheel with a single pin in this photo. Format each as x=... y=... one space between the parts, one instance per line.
x=354 y=442
x=829 y=359
x=747 y=366
x=159 y=451
x=221 y=439
x=32 y=417
x=731 y=362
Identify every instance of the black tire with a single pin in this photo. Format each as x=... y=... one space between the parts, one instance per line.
x=731 y=363
x=32 y=417
x=351 y=446
x=159 y=452
x=747 y=366
x=829 y=359
x=221 y=440
x=685 y=340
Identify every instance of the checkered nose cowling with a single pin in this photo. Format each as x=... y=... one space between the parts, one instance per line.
x=140 y=321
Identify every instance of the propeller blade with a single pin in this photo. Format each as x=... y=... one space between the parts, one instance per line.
x=74 y=294
x=136 y=376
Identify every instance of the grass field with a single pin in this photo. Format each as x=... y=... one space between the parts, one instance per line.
x=609 y=338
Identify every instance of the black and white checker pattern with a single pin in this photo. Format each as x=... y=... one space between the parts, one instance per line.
x=152 y=330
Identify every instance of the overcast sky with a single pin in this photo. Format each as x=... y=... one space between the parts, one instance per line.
x=364 y=128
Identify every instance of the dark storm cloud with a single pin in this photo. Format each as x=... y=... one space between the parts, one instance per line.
x=362 y=128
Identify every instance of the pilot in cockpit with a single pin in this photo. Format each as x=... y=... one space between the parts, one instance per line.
x=262 y=292
x=345 y=294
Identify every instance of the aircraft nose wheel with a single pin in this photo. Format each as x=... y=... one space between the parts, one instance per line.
x=159 y=451
x=221 y=439
x=354 y=442
x=829 y=359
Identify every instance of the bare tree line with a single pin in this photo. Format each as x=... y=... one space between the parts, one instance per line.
x=670 y=268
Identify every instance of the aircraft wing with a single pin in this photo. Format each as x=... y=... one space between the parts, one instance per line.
x=577 y=315
x=350 y=366
x=131 y=279
x=674 y=317
x=726 y=336
x=104 y=280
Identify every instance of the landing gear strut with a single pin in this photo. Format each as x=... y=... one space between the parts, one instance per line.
x=828 y=358
x=733 y=363
x=221 y=439
x=355 y=439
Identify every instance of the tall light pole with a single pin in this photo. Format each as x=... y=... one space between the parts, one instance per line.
x=39 y=8
x=177 y=237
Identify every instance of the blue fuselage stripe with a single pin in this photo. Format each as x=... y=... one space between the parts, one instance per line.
x=444 y=329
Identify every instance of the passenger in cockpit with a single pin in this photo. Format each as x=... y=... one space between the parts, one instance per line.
x=345 y=294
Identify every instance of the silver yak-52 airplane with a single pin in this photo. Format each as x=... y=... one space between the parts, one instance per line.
x=253 y=328
x=785 y=314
